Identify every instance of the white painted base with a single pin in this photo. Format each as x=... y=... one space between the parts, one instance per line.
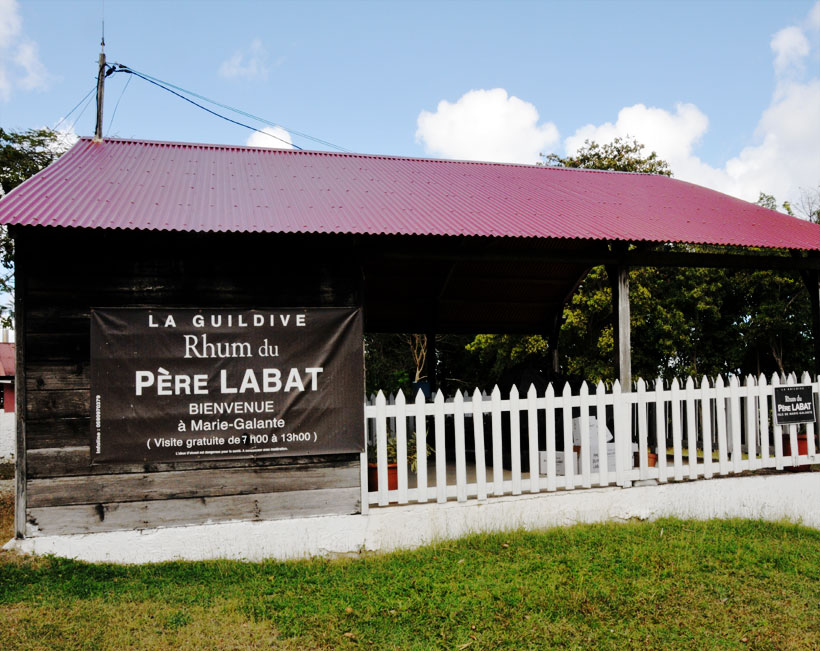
x=8 y=435
x=793 y=497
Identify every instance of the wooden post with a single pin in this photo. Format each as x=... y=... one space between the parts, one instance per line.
x=552 y=343
x=619 y=281
x=100 y=91
x=20 y=390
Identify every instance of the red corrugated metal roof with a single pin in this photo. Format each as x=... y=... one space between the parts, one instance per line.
x=6 y=360
x=175 y=186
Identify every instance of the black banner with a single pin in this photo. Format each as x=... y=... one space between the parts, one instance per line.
x=186 y=384
x=793 y=404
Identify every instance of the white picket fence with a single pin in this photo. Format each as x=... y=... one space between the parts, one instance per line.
x=697 y=432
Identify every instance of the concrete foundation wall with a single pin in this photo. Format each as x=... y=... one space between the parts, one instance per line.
x=789 y=496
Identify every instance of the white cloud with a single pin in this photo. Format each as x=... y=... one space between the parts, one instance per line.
x=18 y=55
x=270 y=137
x=790 y=47
x=36 y=74
x=813 y=19
x=10 y=22
x=248 y=63
x=785 y=156
x=486 y=125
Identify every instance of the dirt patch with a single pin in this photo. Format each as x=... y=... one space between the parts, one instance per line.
x=6 y=515
x=6 y=471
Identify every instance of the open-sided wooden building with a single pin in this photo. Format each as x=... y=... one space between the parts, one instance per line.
x=117 y=236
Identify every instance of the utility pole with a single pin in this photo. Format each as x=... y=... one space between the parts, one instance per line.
x=100 y=88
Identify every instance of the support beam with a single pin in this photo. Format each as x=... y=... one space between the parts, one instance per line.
x=20 y=471
x=552 y=343
x=619 y=281
x=777 y=262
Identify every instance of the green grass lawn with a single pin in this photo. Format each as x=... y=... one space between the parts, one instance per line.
x=664 y=585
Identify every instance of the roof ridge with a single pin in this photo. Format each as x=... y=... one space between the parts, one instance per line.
x=309 y=152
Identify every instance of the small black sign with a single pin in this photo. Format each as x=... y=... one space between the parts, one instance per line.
x=793 y=404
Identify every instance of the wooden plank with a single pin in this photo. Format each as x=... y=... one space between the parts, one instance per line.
x=498 y=457
x=532 y=432
x=585 y=457
x=421 y=447
x=381 y=447
x=401 y=446
x=461 y=460
x=549 y=412
x=93 y=518
x=660 y=430
x=57 y=433
x=723 y=442
x=478 y=442
x=45 y=376
x=691 y=429
x=441 y=451
x=70 y=403
x=643 y=449
x=64 y=491
x=515 y=440
x=706 y=422
x=58 y=347
x=603 y=452
x=74 y=461
x=751 y=423
x=677 y=432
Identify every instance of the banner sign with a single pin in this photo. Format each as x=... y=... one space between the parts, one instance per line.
x=185 y=384
x=793 y=404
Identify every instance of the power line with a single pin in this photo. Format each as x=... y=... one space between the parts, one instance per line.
x=88 y=101
x=122 y=68
x=65 y=117
x=236 y=110
x=117 y=105
x=177 y=90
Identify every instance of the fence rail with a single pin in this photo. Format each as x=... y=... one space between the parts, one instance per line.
x=485 y=445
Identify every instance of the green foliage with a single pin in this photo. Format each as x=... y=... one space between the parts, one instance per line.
x=393 y=451
x=388 y=363
x=668 y=584
x=24 y=153
x=620 y=155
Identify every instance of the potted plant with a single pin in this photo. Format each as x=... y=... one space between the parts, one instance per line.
x=392 y=461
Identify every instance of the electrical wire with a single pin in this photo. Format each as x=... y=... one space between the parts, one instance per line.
x=65 y=117
x=122 y=68
x=116 y=106
x=245 y=113
x=77 y=119
x=168 y=86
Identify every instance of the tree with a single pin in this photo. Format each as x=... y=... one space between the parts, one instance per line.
x=22 y=154
x=620 y=155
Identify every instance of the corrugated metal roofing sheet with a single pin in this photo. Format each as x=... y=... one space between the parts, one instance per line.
x=134 y=184
x=7 y=357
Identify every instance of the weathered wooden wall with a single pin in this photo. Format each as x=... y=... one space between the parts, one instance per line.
x=61 y=275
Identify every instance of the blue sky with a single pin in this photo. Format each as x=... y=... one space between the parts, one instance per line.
x=727 y=92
